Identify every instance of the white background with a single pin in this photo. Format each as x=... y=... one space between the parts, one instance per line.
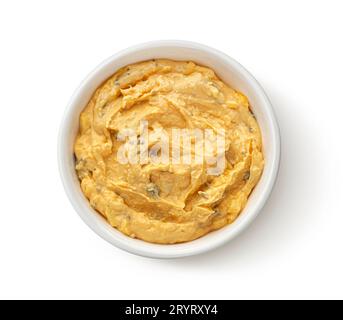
x=293 y=249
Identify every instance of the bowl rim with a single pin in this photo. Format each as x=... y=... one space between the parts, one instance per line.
x=143 y=248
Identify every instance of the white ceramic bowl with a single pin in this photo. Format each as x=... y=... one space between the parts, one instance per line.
x=230 y=72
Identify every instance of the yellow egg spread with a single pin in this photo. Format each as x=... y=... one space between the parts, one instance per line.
x=167 y=201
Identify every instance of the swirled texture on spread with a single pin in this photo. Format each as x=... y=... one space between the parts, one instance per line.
x=167 y=203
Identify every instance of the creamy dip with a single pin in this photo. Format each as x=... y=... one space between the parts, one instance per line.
x=166 y=202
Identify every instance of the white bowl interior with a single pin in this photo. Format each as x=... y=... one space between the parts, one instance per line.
x=230 y=72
